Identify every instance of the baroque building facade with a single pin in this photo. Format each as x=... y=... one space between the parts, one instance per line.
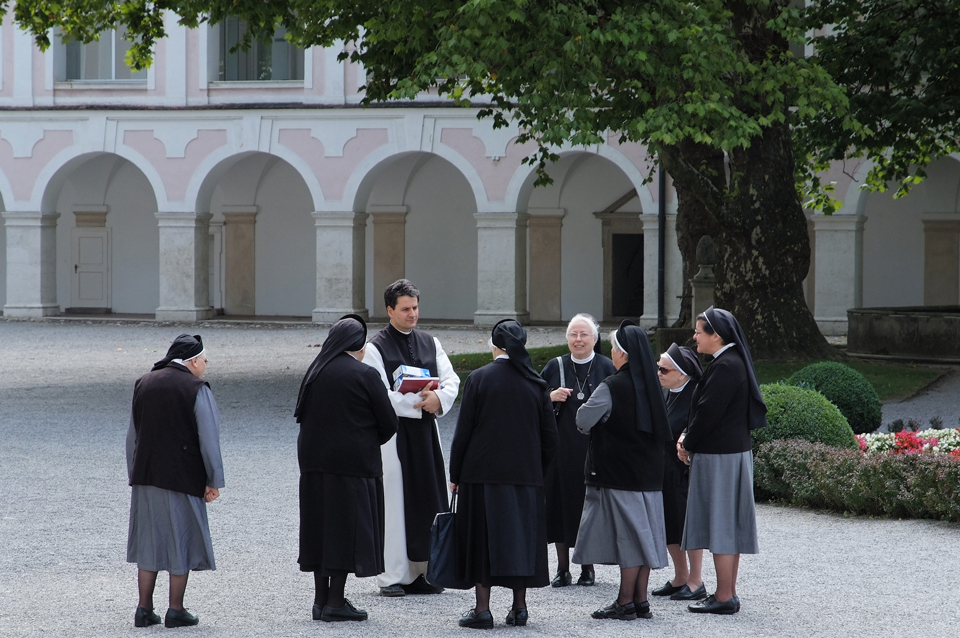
x=254 y=184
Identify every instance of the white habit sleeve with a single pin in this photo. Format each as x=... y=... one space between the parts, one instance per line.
x=402 y=403
x=449 y=381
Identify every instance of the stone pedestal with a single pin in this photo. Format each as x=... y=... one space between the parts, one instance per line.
x=240 y=260
x=941 y=260
x=545 y=262
x=184 y=267
x=838 y=276
x=704 y=283
x=389 y=250
x=501 y=268
x=340 y=265
x=31 y=265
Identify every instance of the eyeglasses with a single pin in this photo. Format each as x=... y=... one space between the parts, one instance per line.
x=664 y=371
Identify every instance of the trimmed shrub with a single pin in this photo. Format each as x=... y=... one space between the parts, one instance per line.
x=845 y=388
x=897 y=485
x=798 y=413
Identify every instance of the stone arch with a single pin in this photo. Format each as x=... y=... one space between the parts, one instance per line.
x=422 y=226
x=261 y=245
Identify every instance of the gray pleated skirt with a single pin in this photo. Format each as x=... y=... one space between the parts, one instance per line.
x=622 y=528
x=168 y=531
x=721 y=515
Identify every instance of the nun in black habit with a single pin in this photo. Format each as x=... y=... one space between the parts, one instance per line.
x=571 y=379
x=622 y=520
x=679 y=370
x=725 y=407
x=345 y=416
x=506 y=435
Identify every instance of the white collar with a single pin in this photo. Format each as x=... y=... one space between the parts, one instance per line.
x=680 y=389
x=721 y=350
x=587 y=360
x=502 y=356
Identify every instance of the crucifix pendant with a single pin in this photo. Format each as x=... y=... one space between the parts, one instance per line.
x=580 y=395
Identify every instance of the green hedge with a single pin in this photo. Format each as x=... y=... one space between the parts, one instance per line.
x=800 y=413
x=845 y=388
x=821 y=476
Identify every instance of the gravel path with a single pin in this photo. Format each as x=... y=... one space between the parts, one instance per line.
x=64 y=399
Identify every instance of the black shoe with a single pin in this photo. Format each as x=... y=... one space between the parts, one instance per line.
x=473 y=620
x=146 y=617
x=587 y=577
x=616 y=611
x=643 y=609
x=668 y=589
x=347 y=612
x=713 y=606
x=317 y=612
x=685 y=594
x=562 y=579
x=421 y=587
x=177 y=618
x=517 y=617
x=392 y=591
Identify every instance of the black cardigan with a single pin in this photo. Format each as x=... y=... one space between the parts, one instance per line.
x=719 y=413
x=506 y=431
x=346 y=416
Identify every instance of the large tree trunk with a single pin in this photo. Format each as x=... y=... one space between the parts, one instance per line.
x=764 y=252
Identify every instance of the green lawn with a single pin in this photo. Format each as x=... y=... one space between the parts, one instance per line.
x=891 y=380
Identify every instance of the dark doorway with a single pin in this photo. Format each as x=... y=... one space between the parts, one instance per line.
x=627 y=289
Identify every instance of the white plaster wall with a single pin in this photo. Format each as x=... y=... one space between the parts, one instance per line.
x=285 y=245
x=892 y=251
x=441 y=242
x=594 y=184
x=135 y=238
x=3 y=265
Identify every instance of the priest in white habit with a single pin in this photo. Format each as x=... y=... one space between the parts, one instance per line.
x=414 y=478
x=175 y=469
x=345 y=416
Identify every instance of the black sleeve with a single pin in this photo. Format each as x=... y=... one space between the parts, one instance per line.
x=466 y=422
x=719 y=389
x=549 y=439
x=387 y=422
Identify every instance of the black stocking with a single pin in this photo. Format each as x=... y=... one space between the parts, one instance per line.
x=483 y=598
x=146 y=583
x=321 y=589
x=628 y=584
x=335 y=599
x=178 y=587
x=563 y=558
x=520 y=598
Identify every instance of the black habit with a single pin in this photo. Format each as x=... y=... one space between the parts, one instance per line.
x=418 y=443
x=676 y=474
x=563 y=483
x=345 y=416
x=506 y=434
x=720 y=408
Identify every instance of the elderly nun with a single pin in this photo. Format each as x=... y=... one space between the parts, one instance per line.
x=345 y=416
x=725 y=407
x=506 y=435
x=622 y=521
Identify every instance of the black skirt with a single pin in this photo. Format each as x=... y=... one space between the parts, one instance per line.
x=501 y=535
x=676 y=484
x=341 y=524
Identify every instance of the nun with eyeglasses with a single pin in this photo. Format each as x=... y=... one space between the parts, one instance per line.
x=622 y=522
x=725 y=407
x=506 y=435
x=345 y=416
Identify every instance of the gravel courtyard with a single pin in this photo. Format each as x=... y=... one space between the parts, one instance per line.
x=64 y=406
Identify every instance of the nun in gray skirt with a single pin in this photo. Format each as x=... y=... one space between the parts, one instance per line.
x=622 y=522
x=726 y=406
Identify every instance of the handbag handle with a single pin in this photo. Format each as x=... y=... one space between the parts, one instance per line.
x=453 y=502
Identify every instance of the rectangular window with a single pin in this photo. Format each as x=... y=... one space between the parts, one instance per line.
x=268 y=59
x=103 y=59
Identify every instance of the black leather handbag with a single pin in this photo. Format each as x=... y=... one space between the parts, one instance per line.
x=443 y=551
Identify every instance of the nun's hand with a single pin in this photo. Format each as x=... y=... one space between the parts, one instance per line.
x=211 y=494
x=560 y=395
x=453 y=488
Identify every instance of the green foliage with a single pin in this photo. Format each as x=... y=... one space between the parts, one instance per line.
x=796 y=413
x=897 y=485
x=845 y=388
x=890 y=380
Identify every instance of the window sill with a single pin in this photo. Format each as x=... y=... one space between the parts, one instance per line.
x=256 y=84
x=102 y=85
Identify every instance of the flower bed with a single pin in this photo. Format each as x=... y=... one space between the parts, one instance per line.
x=904 y=478
x=906 y=442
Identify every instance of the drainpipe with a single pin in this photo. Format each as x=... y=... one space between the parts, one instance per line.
x=661 y=246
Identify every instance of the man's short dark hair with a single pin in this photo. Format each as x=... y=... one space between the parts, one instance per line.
x=399 y=288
